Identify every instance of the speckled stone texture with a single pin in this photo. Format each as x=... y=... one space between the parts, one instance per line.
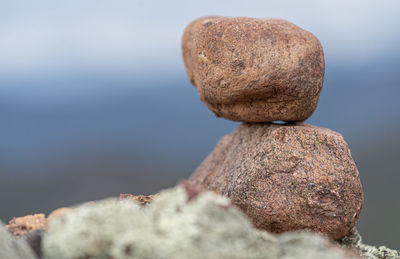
x=178 y=223
x=287 y=177
x=354 y=242
x=254 y=70
x=20 y=226
x=143 y=200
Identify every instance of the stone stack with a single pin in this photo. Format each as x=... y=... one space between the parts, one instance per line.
x=288 y=176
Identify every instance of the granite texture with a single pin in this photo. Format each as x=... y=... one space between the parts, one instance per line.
x=287 y=177
x=254 y=70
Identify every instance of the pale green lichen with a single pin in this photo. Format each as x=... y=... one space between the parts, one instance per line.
x=172 y=226
x=367 y=251
x=304 y=244
x=10 y=248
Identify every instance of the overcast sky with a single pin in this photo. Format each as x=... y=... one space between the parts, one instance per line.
x=62 y=36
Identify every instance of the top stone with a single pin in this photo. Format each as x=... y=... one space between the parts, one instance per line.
x=254 y=70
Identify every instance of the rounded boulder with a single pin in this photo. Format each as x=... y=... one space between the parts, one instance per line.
x=254 y=70
x=287 y=177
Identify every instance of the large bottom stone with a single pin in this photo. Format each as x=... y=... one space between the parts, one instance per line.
x=287 y=177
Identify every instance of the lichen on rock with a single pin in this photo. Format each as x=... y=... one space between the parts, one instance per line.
x=183 y=222
x=172 y=227
x=11 y=248
x=355 y=243
x=304 y=244
x=89 y=230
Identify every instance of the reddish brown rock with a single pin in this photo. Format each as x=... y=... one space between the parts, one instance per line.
x=59 y=212
x=21 y=226
x=64 y=210
x=192 y=190
x=141 y=199
x=287 y=177
x=254 y=70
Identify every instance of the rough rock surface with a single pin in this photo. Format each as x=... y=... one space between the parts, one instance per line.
x=254 y=70
x=10 y=248
x=23 y=225
x=34 y=240
x=183 y=222
x=287 y=177
x=354 y=242
x=59 y=212
x=309 y=245
x=170 y=227
x=141 y=199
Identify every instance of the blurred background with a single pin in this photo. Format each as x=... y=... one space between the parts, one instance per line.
x=95 y=101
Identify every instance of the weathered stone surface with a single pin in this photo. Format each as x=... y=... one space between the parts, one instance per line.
x=171 y=226
x=141 y=199
x=180 y=223
x=287 y=177
x=34 y=240
x=254 y=70
x=59 y=212
x=355 y=243
x=303 y=244
x=20 y=226
x=10 y=248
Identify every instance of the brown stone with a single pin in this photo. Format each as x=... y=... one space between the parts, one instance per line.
x=21 y=226
x=287 y=177
x=192 y=190
x=254 y=70
x=141 y=199
x=64 y=210
x=59 y=212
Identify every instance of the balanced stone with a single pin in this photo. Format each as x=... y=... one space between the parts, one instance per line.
x=254 y=70
x=287 y=177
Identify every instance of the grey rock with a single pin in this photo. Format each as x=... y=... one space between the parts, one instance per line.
x=355 y=243
x=11 y=248
x=171 y=227
x=177 y=224
x=34 y=240
x=303 y=244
